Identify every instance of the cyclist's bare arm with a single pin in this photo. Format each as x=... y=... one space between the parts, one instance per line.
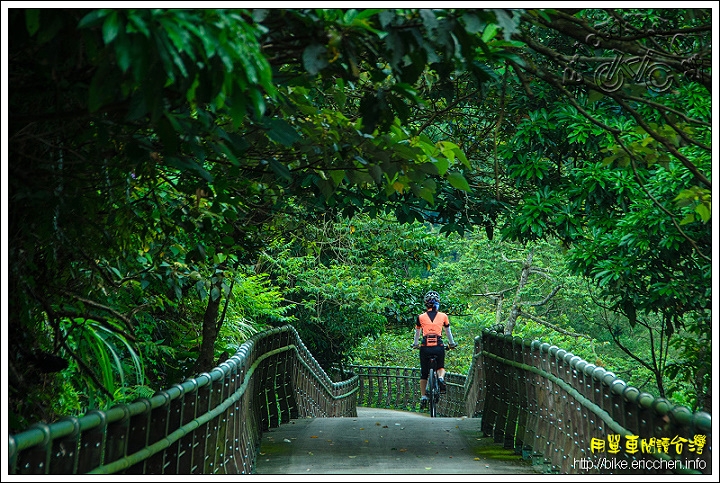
x=418 y=336
x=451 y=342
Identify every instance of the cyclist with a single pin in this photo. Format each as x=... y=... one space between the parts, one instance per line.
x=429 y=327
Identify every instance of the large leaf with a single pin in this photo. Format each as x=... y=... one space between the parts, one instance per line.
x=282 y=132
x=457 y=180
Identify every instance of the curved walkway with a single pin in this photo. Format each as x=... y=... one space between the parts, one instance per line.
x=383 y=441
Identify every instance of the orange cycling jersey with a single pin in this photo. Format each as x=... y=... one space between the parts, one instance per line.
x=432 y=326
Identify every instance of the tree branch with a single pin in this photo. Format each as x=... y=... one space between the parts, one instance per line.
x=128 y=323
x=546 y=299
x=553 y=326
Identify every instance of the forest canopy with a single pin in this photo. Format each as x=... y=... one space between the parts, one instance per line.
x=178 y=179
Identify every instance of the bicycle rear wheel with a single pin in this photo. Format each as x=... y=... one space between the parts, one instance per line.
x=433 y=392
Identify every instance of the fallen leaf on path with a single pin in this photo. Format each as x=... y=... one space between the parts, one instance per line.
x=313 y=436
x=352 y=456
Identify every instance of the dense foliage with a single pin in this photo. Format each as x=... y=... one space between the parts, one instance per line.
x=179 y=179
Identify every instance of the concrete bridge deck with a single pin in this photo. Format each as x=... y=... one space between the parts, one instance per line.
x=383 y=441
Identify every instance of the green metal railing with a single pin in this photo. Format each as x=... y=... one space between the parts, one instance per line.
x=395 y=387
x=578 y=418
x=211 y=424
x=545 y=403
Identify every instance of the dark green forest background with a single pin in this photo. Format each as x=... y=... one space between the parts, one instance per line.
x=178 y=180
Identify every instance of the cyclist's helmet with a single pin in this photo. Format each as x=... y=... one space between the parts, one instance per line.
x=432 y=299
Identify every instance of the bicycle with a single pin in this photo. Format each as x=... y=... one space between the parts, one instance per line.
x=432 y=389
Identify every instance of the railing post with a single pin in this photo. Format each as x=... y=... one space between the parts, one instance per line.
x=532 y=388
x=602 y=430
x=247 y=425
x=565 y=421
x=514 y=398
x=576 y=416
x=542 y=443
x=174 y=421
x=522 y=349
x=204 y=395
x=492 y=385
x=36 y=460
x=66 y=450
x=476 y=381
x=554 y=410
x=188 y=413
x=503 y=400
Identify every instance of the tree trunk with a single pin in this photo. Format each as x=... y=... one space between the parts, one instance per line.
x=516 y=308
x=498 y=308
x=206 y=358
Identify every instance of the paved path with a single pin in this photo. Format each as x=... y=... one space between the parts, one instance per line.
x=383 y=441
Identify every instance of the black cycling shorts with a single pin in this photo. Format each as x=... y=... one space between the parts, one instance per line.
x=425 y=353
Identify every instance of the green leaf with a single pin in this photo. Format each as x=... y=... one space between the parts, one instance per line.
x=458 y=181
x=704 y=212
x=326 y=187
x=489 y=33
x=282 y=132
x=98 y=93
x=138 y=22
x=442 y=165
x=237 y=107
x=123 y=53
x=32 y=20
x=111 y=27
x=258 y=102
x=225 y=149
x=280 y=169
x=337 y=176
x=94 y=18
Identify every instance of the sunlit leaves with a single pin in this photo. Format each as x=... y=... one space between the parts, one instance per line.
x=699 y=199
